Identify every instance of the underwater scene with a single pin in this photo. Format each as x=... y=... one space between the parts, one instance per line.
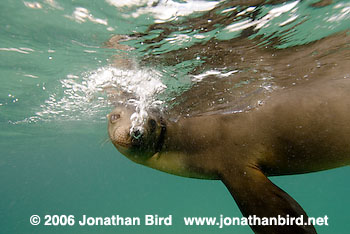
x=66 y=64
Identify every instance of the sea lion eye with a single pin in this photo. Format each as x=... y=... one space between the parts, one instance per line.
x=114 y=117
x=152 y=124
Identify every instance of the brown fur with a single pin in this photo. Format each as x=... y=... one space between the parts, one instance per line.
x=299 y=130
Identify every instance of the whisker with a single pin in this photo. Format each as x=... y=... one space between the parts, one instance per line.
x=105 y=141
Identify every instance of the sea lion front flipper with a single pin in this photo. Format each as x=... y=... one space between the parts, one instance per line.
x=256 y=195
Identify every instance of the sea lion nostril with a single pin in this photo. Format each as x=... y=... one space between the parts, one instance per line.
x=136 y=134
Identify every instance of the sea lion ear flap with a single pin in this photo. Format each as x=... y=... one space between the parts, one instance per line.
x=257 y=196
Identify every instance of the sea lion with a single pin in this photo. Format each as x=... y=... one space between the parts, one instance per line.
x=299 y=130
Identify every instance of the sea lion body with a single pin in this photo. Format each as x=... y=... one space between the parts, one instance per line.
x=303 y=129
x=298 y=131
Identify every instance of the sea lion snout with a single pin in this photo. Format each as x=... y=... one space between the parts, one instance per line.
x=136 y=134
x=119 y=125
x=138 y=143
x=121 y=132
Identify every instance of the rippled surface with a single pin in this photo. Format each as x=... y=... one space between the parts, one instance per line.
x=65 y=64
x=233 y=54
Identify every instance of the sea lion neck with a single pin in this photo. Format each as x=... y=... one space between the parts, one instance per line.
x=182 y=135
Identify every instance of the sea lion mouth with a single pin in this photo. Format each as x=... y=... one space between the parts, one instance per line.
x=141 y=140
x=126 y=139
x=123 y=144
x=137 y=138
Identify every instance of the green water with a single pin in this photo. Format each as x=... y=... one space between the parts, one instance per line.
x=55 y=157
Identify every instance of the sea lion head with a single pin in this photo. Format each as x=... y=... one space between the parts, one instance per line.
x=138 y=145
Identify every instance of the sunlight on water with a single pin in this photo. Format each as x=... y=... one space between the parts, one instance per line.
x=165 y=11
x=267 y=19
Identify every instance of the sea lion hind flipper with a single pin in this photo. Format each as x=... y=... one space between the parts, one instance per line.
x=257 y=196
